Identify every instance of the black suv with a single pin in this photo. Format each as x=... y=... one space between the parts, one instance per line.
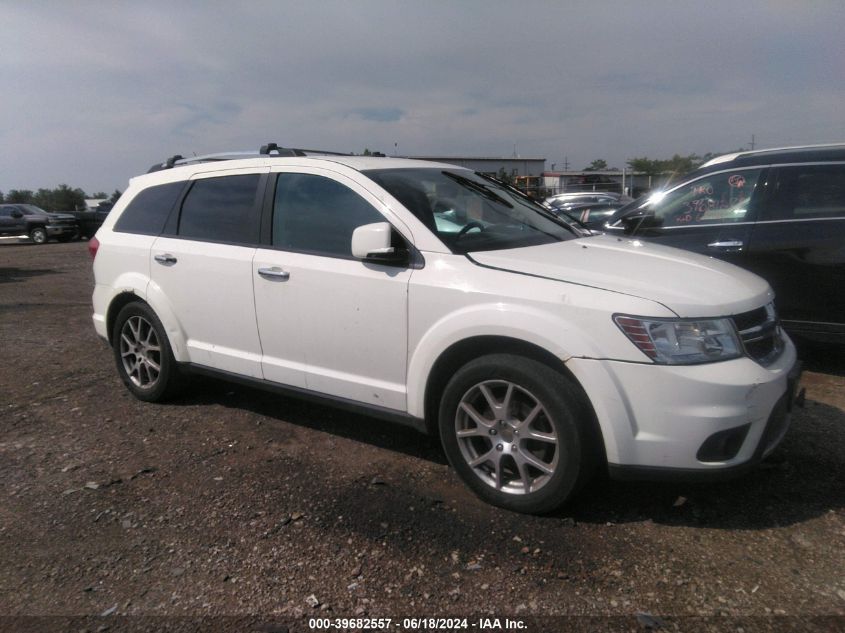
x=779 y=213
x=27 y=220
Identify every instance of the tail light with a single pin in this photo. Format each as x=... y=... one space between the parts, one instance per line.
x=93 y=245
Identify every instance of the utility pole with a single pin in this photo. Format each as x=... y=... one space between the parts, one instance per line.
x=565 y=164
x=752 y=142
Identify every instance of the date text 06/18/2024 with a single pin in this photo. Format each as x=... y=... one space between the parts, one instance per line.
x=415 y=624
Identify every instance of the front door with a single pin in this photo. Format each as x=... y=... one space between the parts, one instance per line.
x=712 y=215
x=341 y=321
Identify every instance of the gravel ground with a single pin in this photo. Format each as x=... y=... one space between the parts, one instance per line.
x=233 y=502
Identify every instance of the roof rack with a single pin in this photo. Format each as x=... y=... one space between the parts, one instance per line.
x=270 y=149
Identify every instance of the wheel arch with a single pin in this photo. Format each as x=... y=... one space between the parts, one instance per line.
x=160 y=307
x=117 y=303
x=461 y=352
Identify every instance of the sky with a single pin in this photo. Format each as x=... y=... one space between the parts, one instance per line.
x=96 y=92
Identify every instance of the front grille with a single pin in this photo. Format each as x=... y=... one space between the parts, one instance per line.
x=760 y=333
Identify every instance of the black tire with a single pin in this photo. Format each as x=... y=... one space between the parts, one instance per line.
x=508 y=479
x=140 y=345
x=38 y=235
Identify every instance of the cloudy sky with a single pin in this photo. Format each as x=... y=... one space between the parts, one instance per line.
x=96 y=92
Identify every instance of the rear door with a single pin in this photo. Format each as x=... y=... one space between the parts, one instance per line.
x=203 y=266
x=798 y=244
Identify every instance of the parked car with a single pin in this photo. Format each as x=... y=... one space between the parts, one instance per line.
x=91 y=220
x=779 y=213
x=27 y=220
x=582 y=197
x=592 y=215
x=436 y=297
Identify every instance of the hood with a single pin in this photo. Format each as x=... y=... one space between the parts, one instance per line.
x=690 y=285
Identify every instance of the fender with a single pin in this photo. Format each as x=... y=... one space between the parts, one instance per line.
x=167 y=315
x=548 y=331
x=145 y=289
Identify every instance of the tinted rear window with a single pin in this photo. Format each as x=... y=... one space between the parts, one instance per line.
x=807 y=192
x=148 y=211
x=221 y=210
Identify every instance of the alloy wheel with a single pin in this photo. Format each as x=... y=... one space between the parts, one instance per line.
x=140 y=352
x=507 y=437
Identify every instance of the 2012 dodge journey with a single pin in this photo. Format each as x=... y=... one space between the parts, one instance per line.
x=437 y=297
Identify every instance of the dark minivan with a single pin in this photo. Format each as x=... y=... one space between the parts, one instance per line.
x=779 y=213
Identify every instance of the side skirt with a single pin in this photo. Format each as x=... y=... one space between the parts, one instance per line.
x=382 y=413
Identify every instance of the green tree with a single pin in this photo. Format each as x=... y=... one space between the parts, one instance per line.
x=646 y=166
x=682 y=164
x=2 y=198
x=100 y=194
x=115 y=196
x=677 y=165
x=597 y=165
x=66 y=199
x=62 y=198
x=20 y=196
x=43 y=198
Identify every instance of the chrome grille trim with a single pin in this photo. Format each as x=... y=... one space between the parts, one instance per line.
x=760 y=333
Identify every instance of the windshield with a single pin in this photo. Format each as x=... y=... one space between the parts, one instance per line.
x=31 y=209
x=469 y=212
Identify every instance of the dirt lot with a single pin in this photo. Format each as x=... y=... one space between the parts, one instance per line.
x=233 y=502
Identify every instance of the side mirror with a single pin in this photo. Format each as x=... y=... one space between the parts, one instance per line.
x=642 y=219
x=372 y=243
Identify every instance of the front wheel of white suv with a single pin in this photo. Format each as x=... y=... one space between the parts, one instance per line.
x=517 y=432
x=142 y=353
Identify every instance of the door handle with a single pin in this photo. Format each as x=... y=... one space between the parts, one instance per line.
x=167 y=259
x=274 y=273
x=727 y=246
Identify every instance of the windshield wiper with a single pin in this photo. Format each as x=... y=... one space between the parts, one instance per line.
x=536 y=205
x=478 y=188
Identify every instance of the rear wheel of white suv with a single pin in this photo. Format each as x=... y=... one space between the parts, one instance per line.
x=516 y=431
x=142 y=352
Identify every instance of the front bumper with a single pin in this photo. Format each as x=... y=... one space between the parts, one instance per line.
x=656 y=420
x=774 y=432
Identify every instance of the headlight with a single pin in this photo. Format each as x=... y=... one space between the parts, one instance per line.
x=682 y=341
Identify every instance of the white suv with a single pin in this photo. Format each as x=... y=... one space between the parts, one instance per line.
x=437 y=297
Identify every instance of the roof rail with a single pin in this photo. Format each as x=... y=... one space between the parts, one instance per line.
x=724 y=158
x=178 y=160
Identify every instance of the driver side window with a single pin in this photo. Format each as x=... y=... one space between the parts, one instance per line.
x=713 y=199
x=317 y=215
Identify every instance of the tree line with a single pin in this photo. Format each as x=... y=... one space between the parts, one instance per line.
x=61 y=198
x=677 y=165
